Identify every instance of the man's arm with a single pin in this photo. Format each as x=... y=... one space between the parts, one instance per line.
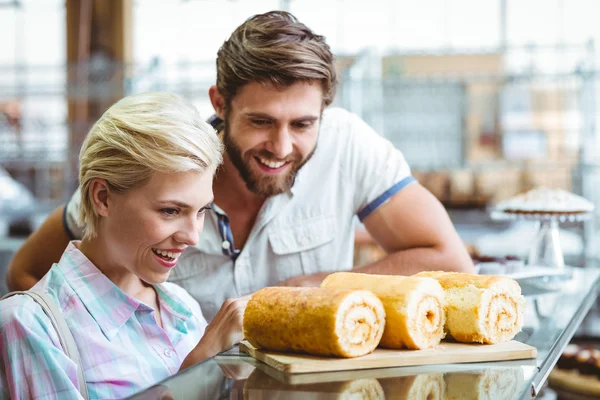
x=416 y=231
x=35 y=257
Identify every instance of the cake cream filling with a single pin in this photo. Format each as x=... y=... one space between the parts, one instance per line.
x=167 y=255
x=426 y=309
x=360 y=322
x=504 y=317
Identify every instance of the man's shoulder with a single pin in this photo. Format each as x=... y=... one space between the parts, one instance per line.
x=334 y=116
x=341 y=125
x=336 y=129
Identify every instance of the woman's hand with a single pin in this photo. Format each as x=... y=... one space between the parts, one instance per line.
x=224 y=331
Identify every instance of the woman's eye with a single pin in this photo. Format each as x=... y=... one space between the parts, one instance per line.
x=203 y=210
x=170 y=211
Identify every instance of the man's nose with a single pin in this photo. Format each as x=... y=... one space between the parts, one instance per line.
x=281 y=143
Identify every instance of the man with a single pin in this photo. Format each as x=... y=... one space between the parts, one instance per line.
x=294 y=176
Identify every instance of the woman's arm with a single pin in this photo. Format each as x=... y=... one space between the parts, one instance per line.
x=33 y=361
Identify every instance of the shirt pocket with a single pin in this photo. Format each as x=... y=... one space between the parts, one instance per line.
x=304 y=247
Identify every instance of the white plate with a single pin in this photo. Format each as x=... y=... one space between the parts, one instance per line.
x=523 y=272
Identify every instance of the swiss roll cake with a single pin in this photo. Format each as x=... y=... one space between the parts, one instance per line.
x=414 y=307
x=480 y=308
x=318 y=321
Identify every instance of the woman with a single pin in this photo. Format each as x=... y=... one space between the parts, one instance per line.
x=146 y=171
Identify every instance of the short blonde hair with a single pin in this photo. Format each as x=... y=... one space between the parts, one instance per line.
x=139 y=136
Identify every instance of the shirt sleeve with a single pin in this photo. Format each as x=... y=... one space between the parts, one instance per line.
x=71 y=217
x=33 y=362
x=377 y=169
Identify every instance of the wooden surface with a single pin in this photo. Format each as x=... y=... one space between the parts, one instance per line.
x=444 y=353
x=574 y=383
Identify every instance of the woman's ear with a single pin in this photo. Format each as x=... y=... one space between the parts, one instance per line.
x=99 y=196
x=217 y=100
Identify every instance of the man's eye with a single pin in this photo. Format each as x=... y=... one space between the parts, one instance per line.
x=302 y=125
x=260 y=121
x=170 y=211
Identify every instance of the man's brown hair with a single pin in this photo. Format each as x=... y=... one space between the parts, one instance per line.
x=276 y=49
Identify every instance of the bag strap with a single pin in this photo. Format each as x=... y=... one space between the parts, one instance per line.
x=64 y=333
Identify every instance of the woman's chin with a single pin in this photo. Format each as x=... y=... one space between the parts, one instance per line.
x=155 y=279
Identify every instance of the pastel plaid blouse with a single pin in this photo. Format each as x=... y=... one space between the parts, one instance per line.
x=122 y=347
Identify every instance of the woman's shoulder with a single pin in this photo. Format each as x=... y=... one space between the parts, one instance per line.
x=21 y=309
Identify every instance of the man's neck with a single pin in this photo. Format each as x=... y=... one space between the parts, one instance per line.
x=231 y=192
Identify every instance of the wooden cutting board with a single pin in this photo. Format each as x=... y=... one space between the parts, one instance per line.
x=444 y=353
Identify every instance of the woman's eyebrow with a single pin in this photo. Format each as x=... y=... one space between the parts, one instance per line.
x=175 y=202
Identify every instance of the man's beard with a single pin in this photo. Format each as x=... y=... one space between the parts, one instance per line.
x=262 y=184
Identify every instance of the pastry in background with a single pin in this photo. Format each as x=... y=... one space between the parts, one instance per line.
x=318 y=321
x=488 y=265
x=438 y=183
x=414 y=307
x=480 y=308
x=418 y=387
x=462 y=187
x=577 y=371
x=497 y=182
x=261 y=386
x=568 y=358
x=543 y=200
x=493 y=384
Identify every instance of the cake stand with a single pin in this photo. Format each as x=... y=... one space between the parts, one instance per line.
x=545 y=249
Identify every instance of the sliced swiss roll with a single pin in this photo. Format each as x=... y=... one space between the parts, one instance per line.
x=260 y=386
x=481 y=308
x=414 y=307
x=422 y=386
x=318 y=321
x=493 y=384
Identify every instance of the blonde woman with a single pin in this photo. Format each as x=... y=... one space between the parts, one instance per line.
x=146 y=172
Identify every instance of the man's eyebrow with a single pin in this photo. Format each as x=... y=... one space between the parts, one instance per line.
x=307 y=118
x=256 y=114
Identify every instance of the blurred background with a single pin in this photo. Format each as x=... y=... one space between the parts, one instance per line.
x=487 y=99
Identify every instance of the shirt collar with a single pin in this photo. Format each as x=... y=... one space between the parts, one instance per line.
x=110 y=307
x=172 y=304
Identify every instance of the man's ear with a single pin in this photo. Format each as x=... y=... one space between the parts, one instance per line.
x=99 y=192
x=217 y=100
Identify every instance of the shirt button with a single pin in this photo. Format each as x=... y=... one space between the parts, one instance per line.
x=168 y=353
x=226 y=245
